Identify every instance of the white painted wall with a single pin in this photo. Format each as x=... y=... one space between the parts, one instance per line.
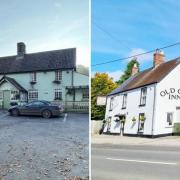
x=132 y=110
x=164 y=105
x=46 y=86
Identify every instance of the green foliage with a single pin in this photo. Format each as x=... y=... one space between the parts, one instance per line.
x=101 y=84
x=128 y=71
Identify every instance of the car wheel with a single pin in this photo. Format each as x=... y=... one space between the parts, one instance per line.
x=46 y=114
x=14 y=112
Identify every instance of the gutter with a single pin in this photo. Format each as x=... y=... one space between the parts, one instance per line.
x=154 y=105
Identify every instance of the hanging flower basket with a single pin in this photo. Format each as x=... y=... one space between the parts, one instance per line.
x=142 y=118
x=133 y=119
x=117 y=120
x=123 y=120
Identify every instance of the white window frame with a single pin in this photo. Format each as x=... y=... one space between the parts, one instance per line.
x=33 y=77
x=58 y=75
x=170 y=118
x=1 y=95
x=111 y=104
x=14 y=95
x=33 y=94
x=85 y=94
x=124 y=102
x=57 y=94
x=143 y=96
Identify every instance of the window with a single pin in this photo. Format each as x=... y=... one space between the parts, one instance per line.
x=85 y=94
x=124 y=103
x=170 y=118
x=33 y=94
x=33 y=77
x=142 y=119
x=58 y=75
x=111 y=103
x=15 y=95
x=58 y=94
x=143 y=96
x=1 y=95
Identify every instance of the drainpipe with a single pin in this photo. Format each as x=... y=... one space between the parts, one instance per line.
x=72 y=83
x=154 y=105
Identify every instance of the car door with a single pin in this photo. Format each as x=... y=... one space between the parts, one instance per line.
x=35 y=108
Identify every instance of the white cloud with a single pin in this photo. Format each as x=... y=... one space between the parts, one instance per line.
x=115 y=74
x=145 y=57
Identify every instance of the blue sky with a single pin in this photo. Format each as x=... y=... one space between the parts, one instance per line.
x=138 y=26
x=45 y=25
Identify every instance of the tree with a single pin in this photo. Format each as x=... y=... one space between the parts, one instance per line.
x=128 y=71
x=101 y=84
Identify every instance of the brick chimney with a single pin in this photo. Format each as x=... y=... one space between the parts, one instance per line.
x=21 y=50
x=158 y=57
x=135 y=69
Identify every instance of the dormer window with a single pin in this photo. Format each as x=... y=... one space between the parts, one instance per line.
x=143 y=96
x=124 y=103
x=33 y=77
x=58 y=75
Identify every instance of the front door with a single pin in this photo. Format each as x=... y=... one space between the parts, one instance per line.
x=6 y=99
x=141 y=123
x=122 y=123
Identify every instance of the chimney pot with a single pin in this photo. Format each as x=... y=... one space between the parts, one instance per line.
x=158 y=57
x=134 y=69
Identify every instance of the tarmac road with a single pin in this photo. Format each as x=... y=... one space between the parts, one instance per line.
x=127 y=162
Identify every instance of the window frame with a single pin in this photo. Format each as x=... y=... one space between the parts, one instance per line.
x=33 y=77
x=85 y=94
x=170 y=121
x=124 y=102
x=14 y=95
x=58 y=94
x=143 y=96
x=58 y=75
x=1 y=95
x=111 y=103
x=33 y=94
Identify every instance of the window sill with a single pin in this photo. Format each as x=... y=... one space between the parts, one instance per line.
x=32 y=82
x=57 y=99
x=142 y=105
x=57 y=81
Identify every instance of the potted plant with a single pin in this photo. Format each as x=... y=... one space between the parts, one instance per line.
x=133 y=119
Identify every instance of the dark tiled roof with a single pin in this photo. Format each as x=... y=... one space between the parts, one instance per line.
x=13 y=82
x=41 y=61
x=147 y=77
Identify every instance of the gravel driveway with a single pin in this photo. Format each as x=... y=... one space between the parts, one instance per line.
x=37 y=148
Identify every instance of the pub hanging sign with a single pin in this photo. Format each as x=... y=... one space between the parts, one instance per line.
x=171 y=93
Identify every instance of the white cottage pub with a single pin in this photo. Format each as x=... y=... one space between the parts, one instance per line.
x=49 y=75
x=148 y=103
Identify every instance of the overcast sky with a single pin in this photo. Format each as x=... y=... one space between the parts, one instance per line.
x=45 y=25
x=135 y=26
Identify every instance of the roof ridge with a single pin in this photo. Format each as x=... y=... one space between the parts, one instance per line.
x=56 y=50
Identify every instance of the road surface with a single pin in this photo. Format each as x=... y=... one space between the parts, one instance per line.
x=126 y=162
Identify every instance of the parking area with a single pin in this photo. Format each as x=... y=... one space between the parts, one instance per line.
x=37 y=148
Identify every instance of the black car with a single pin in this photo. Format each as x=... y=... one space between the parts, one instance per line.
x=38 y=108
